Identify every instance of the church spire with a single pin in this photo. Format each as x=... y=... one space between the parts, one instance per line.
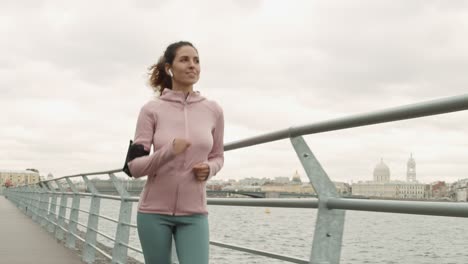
x=411 y=169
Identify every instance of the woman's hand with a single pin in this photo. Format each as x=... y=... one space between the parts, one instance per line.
x=180 y=145
x=201 y=170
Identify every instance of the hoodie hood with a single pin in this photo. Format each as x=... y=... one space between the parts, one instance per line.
x=180 y=97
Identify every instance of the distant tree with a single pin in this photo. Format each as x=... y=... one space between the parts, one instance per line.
x=31 y=169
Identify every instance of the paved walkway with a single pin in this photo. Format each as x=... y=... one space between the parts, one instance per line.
x=23 y=241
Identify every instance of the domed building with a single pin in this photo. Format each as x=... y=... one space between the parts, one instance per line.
x=296 y=179
x=382 y=186
x=381 y=172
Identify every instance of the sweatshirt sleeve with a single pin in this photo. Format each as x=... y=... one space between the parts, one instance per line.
x=145 y=129
x=216 y=156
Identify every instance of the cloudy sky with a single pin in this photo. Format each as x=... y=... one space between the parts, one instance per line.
x=73 y=79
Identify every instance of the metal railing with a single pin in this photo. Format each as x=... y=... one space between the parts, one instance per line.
x=40 y=200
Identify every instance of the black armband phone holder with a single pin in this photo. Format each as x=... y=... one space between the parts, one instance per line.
x=134 y=151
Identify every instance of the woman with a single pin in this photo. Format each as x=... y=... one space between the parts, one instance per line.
x=186 y=131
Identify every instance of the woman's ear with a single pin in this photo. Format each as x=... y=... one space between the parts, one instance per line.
x=167 y=67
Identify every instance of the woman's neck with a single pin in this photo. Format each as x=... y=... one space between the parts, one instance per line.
x=184 y=89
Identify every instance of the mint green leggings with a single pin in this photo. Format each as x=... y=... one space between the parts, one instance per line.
x=191 y=235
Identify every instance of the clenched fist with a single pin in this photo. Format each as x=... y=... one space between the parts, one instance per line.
x=180 y=145
x=201 y=170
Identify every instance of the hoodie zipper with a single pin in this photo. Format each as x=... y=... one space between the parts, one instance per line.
x=185 y=152
x=177 y=198
x=186 y=126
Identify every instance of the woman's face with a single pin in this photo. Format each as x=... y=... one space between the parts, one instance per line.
x=186 y=66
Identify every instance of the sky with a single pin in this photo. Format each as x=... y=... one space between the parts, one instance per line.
x=73 y=77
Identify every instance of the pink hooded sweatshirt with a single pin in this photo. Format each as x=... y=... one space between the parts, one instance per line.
x=171 y=187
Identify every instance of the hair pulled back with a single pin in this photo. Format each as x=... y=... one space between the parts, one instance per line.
x=159 y=79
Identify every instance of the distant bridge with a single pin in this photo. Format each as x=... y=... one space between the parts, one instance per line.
x=262 y=194
x=225 y=193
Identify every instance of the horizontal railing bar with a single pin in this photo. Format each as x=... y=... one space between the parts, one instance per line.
x=86 y=174
x=97 y=231
x=82 y=240
x=270 y=202
x=78 y=223
x=93 y=246
x=106 y=196
x=77 y=236
x=53 y=213
x=108 y=218
x=261 y=253
x=45 y=218
x=102 y=234
x=100 y=251
x=403 y=207
x=131 y=225
x=63 y=228
x=132 y=248
x=428 y=108
x=80 y=210
x=51 y=222
x=110 y=197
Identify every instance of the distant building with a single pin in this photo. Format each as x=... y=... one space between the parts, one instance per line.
x=382 y=186
x=411 y=170
x=281 y=180
x=381 y=172
x=284 y=184
x=296 y=179
x=19 y=177
x=439 y=189
x=252 y=181
x=460 y=190
x=292 y=188
x=343 y=188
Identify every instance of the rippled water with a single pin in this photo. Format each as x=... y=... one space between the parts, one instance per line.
x=368 y=237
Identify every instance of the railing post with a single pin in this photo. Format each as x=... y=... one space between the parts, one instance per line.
x=72 y=224
x=119 y=252
x=37 y=194
x=29 y=200
x=328 y=235
x=62 y=212
x=17 y=194
x=32 y=207
x=53 y=208
x=25 y=199
x=18 y=197
x=21 y=198
x=44 y=203
x=89 y=253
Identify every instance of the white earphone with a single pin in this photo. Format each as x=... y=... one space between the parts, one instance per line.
x=170 y=73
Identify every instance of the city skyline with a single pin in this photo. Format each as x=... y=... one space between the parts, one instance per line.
x=73 y=79
x=302 y=176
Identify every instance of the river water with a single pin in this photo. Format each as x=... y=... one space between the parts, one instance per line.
x=368 y=237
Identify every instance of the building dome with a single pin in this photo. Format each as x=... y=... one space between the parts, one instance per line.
x=296 y=178
x=381 y=172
